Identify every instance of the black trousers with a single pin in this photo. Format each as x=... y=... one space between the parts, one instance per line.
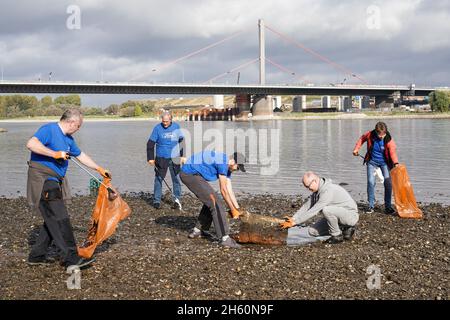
x=56 y=227
x=213 y=210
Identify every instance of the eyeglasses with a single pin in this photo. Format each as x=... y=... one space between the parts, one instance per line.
x=309 y=186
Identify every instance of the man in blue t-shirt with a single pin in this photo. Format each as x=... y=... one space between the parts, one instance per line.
x=207 y=166
x=47 y=187
x=169 y=141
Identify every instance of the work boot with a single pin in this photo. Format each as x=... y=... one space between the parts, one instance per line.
x=335 y=239
x=348 y=232
x=156 y=205
x=369 y=211
x=230 y=243
x=83 y=263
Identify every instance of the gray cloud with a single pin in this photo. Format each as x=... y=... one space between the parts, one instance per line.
x=124 y=39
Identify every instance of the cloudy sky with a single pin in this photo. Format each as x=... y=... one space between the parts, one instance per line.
x=381 y=41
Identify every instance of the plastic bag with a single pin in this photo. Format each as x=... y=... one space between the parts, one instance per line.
x=405 y=201
x=105 y=218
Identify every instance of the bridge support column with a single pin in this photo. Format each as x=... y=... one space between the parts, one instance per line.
x=339 y=105
x=243 y=104
x=299 y=104
x=262 y=107
x=358 y=102
x=326 y=102
x=347 y=103
x=384 y=102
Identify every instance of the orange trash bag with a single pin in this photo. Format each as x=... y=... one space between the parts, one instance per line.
x=105 y=218
x=405 y=201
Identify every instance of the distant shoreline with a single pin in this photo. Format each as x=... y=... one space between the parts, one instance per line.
x=299 y=116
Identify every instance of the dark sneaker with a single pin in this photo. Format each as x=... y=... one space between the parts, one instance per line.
x=369 y=211
x=176 y=206
x=41 y=262
x=156 y=205
x=335 y=239
x=82 y=263
x=390 y=211
x=348 y=232
x=230 y=243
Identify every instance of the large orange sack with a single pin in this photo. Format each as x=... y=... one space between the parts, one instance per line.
x=105 y=218
x=405 y=201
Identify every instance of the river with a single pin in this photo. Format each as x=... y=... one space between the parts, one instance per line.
x=324 y=146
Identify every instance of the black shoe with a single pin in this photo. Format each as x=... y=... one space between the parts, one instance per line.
x=41 y=262
x=390 y=211
x=369 y=211
x=81 y=264
x=176 y=206
x=156 y=205
x=348 y=232
x=335 y=239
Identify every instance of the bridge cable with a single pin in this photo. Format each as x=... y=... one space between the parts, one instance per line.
x=232 y=70
x=215 y=44
x=317 y=55
x=284 y=69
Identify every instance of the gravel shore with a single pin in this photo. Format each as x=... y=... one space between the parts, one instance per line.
x=150 y=257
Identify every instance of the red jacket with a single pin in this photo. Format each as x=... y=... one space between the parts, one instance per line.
x=390 y=148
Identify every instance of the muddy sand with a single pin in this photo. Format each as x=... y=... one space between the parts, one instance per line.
x=150 y=257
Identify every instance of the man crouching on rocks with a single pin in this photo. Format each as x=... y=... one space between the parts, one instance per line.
x=47 y=187
x=339 y=209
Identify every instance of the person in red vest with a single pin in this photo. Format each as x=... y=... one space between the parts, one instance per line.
x=381 y=153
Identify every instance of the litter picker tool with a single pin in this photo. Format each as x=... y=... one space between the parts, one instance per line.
x=111 y=193
x=177 y=201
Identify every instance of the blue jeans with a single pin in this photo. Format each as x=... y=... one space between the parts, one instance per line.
x=371 y=181
x=157 y=191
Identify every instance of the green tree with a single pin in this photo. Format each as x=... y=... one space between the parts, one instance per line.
x=2 y=107
x=440 y=101
x=137 y=111
x=93 y=112
x=127 y=112
x=46 y=101
x=72 y=99
x=113 y=109
x=21 y=102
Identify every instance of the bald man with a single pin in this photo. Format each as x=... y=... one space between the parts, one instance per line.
x=169 y=142
x=339 y=210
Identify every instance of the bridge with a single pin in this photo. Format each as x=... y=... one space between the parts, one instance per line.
x=209 y=89
x=258 y=95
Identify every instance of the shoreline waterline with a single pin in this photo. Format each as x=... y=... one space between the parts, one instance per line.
x=299 y=117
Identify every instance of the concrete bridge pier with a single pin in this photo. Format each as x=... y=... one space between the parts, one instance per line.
x=326 y=102
x=347 y=103
x=299 y=104
x=262 y=107
x=384 y=102
x=242 y=107
x=339 y=105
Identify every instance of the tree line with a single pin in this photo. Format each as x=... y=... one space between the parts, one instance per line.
x=440 y=101
x=20 y=106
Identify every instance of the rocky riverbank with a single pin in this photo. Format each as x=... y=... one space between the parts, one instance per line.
x=150 y=257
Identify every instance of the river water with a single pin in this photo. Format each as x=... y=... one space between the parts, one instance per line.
x=324 y=146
